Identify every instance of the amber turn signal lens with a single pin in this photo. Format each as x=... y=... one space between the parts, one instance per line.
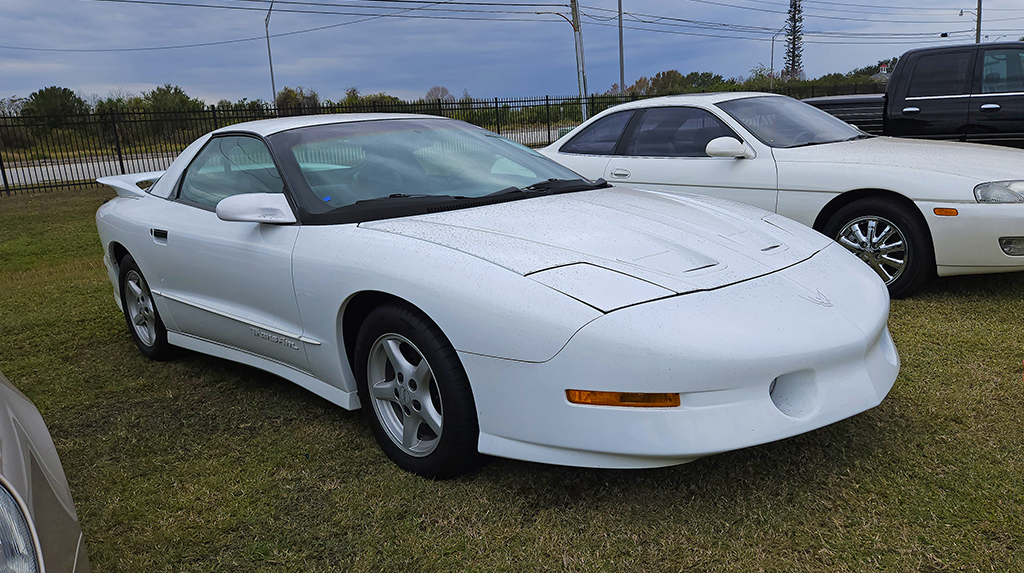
x=632 y=399
x=945 y=212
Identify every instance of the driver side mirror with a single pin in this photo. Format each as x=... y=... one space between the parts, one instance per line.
x=270 y=208
x=728 y=147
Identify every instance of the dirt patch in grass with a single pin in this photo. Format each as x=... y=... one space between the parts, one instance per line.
x=204 y=465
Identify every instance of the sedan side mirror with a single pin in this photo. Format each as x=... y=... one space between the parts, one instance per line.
x=270 y=208
x=728 y=147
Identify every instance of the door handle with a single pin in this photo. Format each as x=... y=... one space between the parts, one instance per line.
x=911 y=110
x=620 y=173
x=160 y=235
x=991 y=107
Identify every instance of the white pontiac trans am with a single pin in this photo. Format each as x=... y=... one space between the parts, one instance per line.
x=908 y=208
x=477 y=297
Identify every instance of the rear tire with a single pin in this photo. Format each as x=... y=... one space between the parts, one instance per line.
x=895 y=243
x=415 y=393
x=140 y=314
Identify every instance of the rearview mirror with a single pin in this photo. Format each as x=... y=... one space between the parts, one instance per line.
x=270 y=208
x=728 y=147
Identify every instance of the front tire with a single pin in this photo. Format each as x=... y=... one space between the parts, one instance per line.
x=140 y=314
x=892 y=241
x=415 y=393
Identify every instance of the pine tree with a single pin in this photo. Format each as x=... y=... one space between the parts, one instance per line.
x=794 y=64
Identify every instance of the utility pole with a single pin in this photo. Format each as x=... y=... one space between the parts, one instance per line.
x=771 y=77
x=273 y=87
x=977 y=31
x=622 y=61
x=580 y=63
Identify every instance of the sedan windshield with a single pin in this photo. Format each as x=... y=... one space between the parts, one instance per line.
x=343 y=168
x=786 y=122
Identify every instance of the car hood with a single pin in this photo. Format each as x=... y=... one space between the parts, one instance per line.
x=971 y=160
x=640 y=244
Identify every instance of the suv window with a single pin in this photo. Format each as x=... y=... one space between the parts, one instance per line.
x=229 y=166
x=1003 y=71
x=600 y=137
x=676 y=132
x=940 y=75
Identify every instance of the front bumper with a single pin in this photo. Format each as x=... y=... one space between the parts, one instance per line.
x=969 y=242
x=828 y=350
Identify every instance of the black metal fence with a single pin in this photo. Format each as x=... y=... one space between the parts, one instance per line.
x=39 y=153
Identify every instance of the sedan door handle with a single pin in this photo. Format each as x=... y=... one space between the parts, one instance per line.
x=620 y=173
x=991 y=107
x=160 y=235
x=911 y=110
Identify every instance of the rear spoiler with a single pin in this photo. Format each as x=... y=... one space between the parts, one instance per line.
x=128 y=185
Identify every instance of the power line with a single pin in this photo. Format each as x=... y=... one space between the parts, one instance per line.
x=843 y=18
x=340 y=13
x=760 y=39
x=218 y=43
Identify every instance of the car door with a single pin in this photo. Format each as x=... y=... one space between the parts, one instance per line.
x=664 y=149
x=588 y=152
x=933 y=103
x=997 y=101
x=224 y=281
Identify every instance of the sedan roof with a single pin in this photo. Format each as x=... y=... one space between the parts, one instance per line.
x=684 y=99
x=266 y=127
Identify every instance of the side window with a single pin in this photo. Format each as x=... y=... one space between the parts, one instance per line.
x=230 y=166
x=600 y=137
x=940 y=75
x=1003 y=71
x=676 y=132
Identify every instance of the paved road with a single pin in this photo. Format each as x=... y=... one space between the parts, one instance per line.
x=55 y=172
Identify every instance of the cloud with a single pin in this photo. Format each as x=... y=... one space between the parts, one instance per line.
x=405 y=57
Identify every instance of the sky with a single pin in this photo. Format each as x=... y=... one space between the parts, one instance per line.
x=406 y=56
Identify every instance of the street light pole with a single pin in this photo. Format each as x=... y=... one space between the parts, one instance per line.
x=273 y=87
x=977 y=31
x=771 y=78
x=622 y=61
x=580 y=65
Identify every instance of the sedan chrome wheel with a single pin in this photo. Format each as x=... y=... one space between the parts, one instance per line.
x=139 y=305
x=877 y=242
x=404 y=395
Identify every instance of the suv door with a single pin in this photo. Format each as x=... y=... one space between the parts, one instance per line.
x=224 y=281
x=997 y=104
x=933 y=103
x=665 y=150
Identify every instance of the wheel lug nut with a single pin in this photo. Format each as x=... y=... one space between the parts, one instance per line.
x=400 y=377
x=416 y=405
x=412 y=384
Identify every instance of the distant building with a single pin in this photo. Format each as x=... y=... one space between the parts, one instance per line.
x=883 y=74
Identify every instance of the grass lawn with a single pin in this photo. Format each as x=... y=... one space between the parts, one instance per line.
x=204 y=465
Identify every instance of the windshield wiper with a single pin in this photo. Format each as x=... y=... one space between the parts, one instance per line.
x=554 y=186
x=405 y=196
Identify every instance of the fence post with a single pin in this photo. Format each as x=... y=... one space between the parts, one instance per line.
x=216 y=124
x=117 y=143
x=440 y=108
x=7 y=186
x=497 y=117
x=547 y=106
x=812 y=91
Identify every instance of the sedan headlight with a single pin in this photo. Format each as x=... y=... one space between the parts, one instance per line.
x=1000 y=192
x=18 y=552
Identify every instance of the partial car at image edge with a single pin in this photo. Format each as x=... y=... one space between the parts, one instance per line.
x=39 y=529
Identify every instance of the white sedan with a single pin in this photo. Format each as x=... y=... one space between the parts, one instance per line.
x=908 y=208
x=477 y=297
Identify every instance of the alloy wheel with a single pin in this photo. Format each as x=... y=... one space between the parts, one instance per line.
x=879 y=243
x=404 y=395
x=139 y=304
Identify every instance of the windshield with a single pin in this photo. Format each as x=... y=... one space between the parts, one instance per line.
x=786 y=122
x=340 y=166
